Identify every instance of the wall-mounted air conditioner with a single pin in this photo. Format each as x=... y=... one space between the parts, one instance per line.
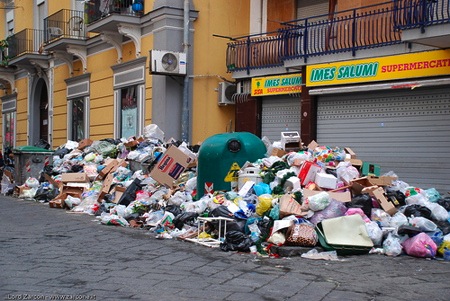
x=226 y=91
x=167 y=62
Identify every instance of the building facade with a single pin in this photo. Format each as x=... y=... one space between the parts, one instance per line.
x=100 y=69
x=369 y=75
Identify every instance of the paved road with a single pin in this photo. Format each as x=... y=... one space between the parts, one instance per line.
x=49 y=254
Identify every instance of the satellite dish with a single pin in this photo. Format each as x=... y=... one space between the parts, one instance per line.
x=169 y=61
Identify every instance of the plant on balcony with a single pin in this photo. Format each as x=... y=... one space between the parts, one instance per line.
x=3 y=52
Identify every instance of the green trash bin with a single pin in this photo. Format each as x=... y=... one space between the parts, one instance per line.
x=29 y=161
x=219 y=155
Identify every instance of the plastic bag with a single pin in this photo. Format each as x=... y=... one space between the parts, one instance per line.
x=334 y=209
x=392 y=245
x=433 y=195
x=423 y=224
x=398 y=219
x=264 y=204
x=236 y=241
x=32 y=182
x=417 y=210
x=346 y=172
x=152 y=131
x=363 y=201
x=353 y=211
x=420 y=245
x=319 y=201
x=375 y=233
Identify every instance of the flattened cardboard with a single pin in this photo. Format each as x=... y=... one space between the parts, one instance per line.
x=312 y=145
x=278 y=152
x=118 y=191
x=350 y=152
x=171 y=165
x=75 y=177
x=382 y=180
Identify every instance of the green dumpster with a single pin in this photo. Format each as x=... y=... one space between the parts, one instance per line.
x=221 y=155
x=29 y=161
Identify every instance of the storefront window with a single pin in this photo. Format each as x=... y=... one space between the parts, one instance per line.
x=128 y=112
x=8 y=130
x=77 y=107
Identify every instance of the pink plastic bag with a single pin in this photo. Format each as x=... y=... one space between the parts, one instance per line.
x=420 y=245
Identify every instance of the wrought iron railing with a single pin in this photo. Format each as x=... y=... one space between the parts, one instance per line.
x=347 y=31
x=96 y=10
x=65 y=23
x=421 y=13
x=27 y=41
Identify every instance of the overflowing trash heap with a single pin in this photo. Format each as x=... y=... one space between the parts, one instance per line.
x=314 y=201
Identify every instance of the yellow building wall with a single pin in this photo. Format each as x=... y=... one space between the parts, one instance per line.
x=226 y=18
x=23 y=15
x=21 y=114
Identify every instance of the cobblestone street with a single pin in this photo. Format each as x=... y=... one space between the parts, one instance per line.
x=50 y=254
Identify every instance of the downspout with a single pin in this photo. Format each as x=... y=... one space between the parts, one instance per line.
x=185 y=110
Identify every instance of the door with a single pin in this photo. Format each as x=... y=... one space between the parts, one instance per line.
x=248 y=116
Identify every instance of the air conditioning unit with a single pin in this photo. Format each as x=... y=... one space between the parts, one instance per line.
x=226 y=91
x=167 y=62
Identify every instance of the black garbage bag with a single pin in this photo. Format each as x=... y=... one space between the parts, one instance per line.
x=396 y=197
x=264 y=226
x=45 y=194
x=42 y=144
x=175 y=210
x=444 y=226
x=222 y=211
x=188 y=218
x=47 y=170
x=130 y=194
x=236 y=241
x=61 y=152
x=363 y=201
x=417 y=210
x=445 y=202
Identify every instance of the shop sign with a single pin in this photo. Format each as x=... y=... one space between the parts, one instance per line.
x=423 y=64
x=276 y=85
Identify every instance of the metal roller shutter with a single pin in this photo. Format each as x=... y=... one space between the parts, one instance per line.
x=279 y=115
x=407 y=131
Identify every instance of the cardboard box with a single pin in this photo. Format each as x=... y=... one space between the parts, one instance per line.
x=110 y=167
x=351 y=154
x=357 y=185
x=289 y=206
x=324 y=180
x=382 y=180
x=308 y=172
x=378 y=194
x=75 y=177
x=344 y=196
x=84 y=143
x=312 y=145
x=278 y=152
x=171 y=165
x=118 y=191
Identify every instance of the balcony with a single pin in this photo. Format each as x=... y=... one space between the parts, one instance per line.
x=348 y=31
x=26 y=47
x=424 y=22
x=63 y=28
x=107 y=15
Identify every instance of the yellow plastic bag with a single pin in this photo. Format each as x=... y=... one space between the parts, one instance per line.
x=264 y=204
x=441 y=249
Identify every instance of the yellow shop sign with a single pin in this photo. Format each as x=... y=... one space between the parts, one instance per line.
x=275 y=85
x=423 y=64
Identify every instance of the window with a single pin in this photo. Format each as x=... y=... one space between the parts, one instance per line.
x=77 y=108
x=9 y=120
x=128 y=112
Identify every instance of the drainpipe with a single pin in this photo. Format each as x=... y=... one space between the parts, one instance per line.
x=185 y=110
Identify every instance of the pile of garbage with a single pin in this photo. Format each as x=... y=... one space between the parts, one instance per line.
x=319 y=199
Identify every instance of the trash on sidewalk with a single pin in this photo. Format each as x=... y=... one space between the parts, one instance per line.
x=236 y=192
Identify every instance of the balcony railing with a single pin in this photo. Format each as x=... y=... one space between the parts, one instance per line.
x=96 y=10
x=421 y=13
x=65 y=23
x=27 y=41
x=346 y=31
